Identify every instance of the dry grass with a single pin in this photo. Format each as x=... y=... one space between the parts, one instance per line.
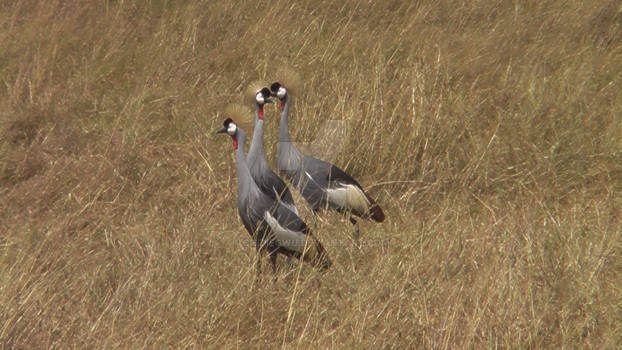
x=489 y=130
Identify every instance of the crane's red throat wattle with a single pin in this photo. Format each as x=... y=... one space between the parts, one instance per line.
x=235 y=142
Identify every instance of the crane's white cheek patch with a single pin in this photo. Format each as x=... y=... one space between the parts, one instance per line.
x=281 y=92
x=289 y=239
x=231 y=129
x=349 y=197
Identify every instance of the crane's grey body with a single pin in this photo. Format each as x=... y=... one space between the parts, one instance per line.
x=271 y=224
x=267 y=180
x=323 y=185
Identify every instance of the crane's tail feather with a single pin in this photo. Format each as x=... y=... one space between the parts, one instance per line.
x=351 y=197
x=375 y=212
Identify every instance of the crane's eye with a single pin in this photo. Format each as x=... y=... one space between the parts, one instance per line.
x=281 y=92
x=231 y=129
x=259 y=98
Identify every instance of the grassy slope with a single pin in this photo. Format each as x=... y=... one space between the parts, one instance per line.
x=490 y=132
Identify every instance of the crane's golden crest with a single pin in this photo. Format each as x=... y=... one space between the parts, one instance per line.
x=241 y=114
x=289 y=78
x=252 y=90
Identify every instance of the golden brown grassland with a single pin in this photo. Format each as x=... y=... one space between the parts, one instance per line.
x=490 y=131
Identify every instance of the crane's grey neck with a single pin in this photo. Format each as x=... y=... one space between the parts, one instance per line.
x=245 y=181
x=288 y=157
x=283 y=127
x=240 y=158
x=256 y=150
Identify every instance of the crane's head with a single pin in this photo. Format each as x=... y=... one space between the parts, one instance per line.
x=262 y=97
x=279 y=91
x=232 y=129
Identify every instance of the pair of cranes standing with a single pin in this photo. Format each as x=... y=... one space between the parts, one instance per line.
x=266 y=205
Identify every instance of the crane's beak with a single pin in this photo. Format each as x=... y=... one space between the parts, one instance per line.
x=221 y=131
x=268 y=100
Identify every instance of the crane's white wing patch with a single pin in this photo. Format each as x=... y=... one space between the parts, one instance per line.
x=349 y=197
x=289 y=239
x=289 y=206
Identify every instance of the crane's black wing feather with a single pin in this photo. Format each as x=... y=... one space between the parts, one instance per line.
x=327 y=174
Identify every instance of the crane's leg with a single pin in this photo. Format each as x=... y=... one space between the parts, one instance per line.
x=258 y=263
x=288 y=260
x=357 y=243
x=273 y=257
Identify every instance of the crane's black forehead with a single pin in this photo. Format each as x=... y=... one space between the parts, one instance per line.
x=227 y=122
x=265 y=92
x=275 y=86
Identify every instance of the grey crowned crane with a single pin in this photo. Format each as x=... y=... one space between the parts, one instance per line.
x=322 y=184
x=274 y=228
x=267 y=180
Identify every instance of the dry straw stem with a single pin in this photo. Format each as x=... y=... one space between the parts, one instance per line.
x=489 y=131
